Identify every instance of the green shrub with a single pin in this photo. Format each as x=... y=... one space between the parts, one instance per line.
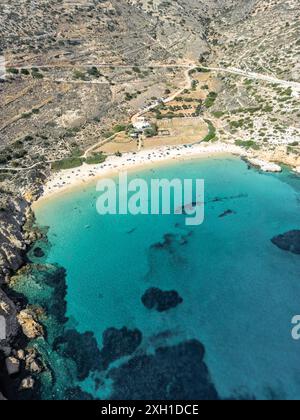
x=94 y=72
x=13 y=70
x=248 y=144
x=211 y=136
x=78 y=75
x=218 y=114
x=151 y=131
x=210 y=100
x=95 y=159
x=119 y=128
x=68 y=163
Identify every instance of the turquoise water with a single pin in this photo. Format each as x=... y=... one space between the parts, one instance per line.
x=239 y=291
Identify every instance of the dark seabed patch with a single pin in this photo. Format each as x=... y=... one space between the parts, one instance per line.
x=227 y=213
x=118 y=344
x=172 y=373
x=82 y=349
x=289 y=241
x=38 y=252
x=160 y=300
x=77 y=394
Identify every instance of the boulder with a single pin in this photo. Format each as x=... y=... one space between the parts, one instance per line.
x=27 y=383
x=31 y=328
x=12 y=365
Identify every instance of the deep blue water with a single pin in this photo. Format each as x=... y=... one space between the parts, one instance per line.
x=239 y=291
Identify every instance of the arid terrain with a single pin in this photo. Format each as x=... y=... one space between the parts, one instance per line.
x=76 y=74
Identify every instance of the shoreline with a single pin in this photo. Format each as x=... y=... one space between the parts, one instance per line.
x=67 y=180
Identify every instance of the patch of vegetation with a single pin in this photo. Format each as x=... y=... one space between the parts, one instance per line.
x=95 y=159
x=13 y=70
x=210 y=100
x=211 y=136
x=151 y=131
x=247 y=144
x=78 y=75
x=25 y=72
x=130 y=96
x=237 y=124
x=76 y=160
x=94 y=72
x=119 y=128
x=67 y=163
x=35 y=73
x=26 y=115
x=218 y=114
x=202 y=70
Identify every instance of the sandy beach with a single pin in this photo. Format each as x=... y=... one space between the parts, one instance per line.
x=64 y=180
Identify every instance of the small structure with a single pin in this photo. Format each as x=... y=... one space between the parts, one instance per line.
x=164 y=132
x=141 y=124
x=134 y=135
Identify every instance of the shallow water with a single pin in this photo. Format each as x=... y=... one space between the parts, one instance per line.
x=239 y=291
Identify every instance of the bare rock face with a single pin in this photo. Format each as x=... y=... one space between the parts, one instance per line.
x=31 y=328
x=12 y=211
x=12 y=365
x=2 y=398
x=8 y=323
x=27 y=383
x=289 y=241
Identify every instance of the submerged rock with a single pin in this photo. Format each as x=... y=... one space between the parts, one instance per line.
x=226 y=213
x=76 y=394
x=82 y=349
x=44 y=286
x=172 y=373
x=118 y=344
x=155 y=298
x=289 y=241
x=38 y=252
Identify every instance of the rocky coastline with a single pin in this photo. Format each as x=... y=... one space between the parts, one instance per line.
x=17 y=233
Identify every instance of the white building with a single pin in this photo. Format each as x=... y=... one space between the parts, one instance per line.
x=141 y=124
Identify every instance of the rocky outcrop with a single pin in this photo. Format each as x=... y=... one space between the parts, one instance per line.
x=289 y=241
x=161 y=301
x=8 y=322
x=12 y=365
x=12 y=218
x=29 y=324
x=27 y=383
